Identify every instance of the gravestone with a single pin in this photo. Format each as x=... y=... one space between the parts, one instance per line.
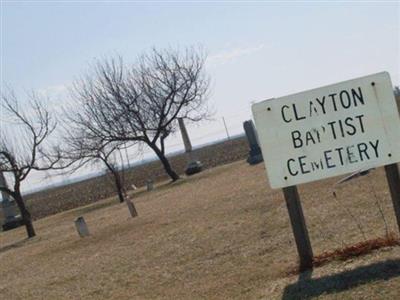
x=81 y=227
x=150 y=185
x=10 y=210
x=255 y=155
x=131 y=207
x=194 y=166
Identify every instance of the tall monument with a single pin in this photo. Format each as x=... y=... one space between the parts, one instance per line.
x=255 y=155
x=9 y=208
x=194 y=166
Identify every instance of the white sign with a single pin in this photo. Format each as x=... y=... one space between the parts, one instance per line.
x=341 y=128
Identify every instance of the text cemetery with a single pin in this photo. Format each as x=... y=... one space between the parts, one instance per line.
x=334 y=129
x=346 y=127
x=342 y=128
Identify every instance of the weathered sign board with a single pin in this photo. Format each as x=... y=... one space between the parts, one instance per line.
x=329 y=131
x=337 y=129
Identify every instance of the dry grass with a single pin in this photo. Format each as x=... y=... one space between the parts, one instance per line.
x=56 y=200
x=361 y=248
x=220 y=234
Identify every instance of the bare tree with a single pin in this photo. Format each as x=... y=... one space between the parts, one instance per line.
x=23 y=146
x=80 y=150
x=141 y=102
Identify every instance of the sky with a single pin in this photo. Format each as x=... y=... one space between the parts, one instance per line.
x=256 y=49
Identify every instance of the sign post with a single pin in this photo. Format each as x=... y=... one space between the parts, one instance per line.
x=299 y=227
x=348 y=127
x=393 y=178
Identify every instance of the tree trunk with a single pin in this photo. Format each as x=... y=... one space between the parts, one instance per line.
x=117 y=180
x=167 y=167
x=118 y=185
x=25 y=214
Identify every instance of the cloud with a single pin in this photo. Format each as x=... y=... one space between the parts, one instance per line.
x=231 y=55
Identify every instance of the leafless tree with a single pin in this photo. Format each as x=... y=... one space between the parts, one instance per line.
x=24 y=133
x=79 y=150
x=141 y=102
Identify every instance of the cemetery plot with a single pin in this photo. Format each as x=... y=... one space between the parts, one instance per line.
x=222 y=234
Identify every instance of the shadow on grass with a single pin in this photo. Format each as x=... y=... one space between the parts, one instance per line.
x=15 y=245
x=308 y=288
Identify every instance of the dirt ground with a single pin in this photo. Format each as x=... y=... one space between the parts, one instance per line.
x=221 y=234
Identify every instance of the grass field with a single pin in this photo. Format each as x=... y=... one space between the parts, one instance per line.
x=221 y=234
x=49 y=202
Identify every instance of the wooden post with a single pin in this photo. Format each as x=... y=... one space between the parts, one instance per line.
x=393 y=178
x=299 y=227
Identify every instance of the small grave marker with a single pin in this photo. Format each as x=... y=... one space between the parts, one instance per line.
x=150 y=185
x=81 y=227
x=131 y=207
